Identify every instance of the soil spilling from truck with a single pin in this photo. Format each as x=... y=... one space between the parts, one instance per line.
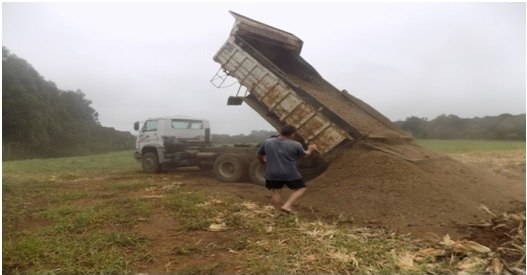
x=437 y=194
x=387 y=180
x=376 y=175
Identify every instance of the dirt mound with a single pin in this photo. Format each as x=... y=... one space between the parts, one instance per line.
x=410 y=189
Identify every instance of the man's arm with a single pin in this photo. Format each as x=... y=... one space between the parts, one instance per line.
x=261 y=159
x=310 y=149
x=260 y=154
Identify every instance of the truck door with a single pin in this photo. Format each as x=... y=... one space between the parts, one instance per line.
x=148 y=134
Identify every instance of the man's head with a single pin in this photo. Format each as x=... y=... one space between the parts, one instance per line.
x=287 y=131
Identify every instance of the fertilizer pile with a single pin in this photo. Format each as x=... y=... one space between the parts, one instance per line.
x=415 y=190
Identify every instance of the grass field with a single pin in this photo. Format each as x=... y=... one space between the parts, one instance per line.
x=100 y=214
x=467 y=146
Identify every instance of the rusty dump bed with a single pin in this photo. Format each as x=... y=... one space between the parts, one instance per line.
x=285 y=89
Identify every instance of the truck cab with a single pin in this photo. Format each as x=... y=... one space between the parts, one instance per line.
x=174 y=140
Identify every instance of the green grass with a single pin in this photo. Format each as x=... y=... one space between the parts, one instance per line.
x=468 y=146
x=186 y=206
x=56 y=219
x=93 y=252
x=80 y=216
x=72 y=167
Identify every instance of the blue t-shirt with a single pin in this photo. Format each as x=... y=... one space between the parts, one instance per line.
x=281 y=155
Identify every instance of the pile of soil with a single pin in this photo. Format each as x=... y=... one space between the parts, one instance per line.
x=413 y=190
x=397 y=185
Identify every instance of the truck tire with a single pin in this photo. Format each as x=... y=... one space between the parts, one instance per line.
x=150 y=163
x=230 y=168
x=257 y=172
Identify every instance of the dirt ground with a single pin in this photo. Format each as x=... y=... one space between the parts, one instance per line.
x=365 y=188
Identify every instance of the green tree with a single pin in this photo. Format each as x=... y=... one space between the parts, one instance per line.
x=502 y=127
x=414 y=125
x=40 y=120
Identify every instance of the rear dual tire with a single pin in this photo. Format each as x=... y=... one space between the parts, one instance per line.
x=257 y=172
x=230 y=168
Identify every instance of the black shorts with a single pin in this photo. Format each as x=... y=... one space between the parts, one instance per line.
x=279 y=184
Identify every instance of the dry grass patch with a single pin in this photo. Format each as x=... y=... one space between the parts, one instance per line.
x=289 y=245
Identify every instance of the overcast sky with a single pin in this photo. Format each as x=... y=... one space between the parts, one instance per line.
x=140 y=60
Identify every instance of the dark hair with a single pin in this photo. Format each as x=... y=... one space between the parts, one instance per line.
x=287 y=130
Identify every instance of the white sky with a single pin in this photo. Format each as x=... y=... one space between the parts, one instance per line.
x=140 y=60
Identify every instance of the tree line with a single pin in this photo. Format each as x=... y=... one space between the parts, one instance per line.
x=40 y=120
x=255 y=137
x=501 y=127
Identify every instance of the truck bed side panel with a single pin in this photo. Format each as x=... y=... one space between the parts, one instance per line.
x=271 y=95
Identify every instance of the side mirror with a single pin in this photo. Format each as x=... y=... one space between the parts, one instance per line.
x=136 y=125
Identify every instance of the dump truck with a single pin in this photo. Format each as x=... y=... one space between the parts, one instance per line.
x=283 y=88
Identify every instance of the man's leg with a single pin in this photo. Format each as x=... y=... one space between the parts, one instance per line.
x=276 y=198
x=293 y=198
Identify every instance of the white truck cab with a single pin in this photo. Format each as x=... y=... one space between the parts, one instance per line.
x=154 y=129
x=170 y=139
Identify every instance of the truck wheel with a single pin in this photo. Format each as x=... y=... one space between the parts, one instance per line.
x=257 y=172
x=150 y=163
x=230 y=168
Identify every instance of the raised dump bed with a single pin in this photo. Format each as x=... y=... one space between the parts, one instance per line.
x=284 y=89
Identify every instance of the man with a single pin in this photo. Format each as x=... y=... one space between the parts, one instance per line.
x=279 y=155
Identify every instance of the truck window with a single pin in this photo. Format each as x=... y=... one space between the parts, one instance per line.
x=186 y=124
x=150 y=125
x=196 y=125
